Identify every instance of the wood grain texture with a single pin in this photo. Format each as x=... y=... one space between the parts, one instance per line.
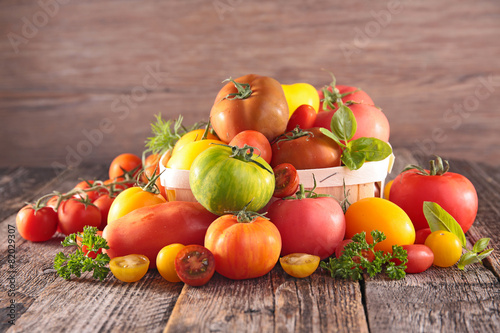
x=81 y=80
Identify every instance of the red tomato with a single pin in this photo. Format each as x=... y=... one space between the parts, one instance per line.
x=263 y=109
x=125 y=163
x=36 y=225
x=312 y=151
x=255 y=139
x=85 y=248
x=340 y=249
x=86 y=184
x=421 y=235
x=304 y=117
x=452 y=191
x=75 y=214
x=420 y=258
x=371 y=121
x=195 y=265
x=309 y=225
x=152 y=168
x=347 y=94
x=243 y=249
x=287 y=180
x=104 y=203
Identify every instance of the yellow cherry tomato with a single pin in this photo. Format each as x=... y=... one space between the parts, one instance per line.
x=446 y=247
x=300 y=93
x=131 y=199
x=299 y=265
x=191 y=136
x=370 y=214
x=165 y=262
x=183 y=158
x=387 y=189
x=129 y=268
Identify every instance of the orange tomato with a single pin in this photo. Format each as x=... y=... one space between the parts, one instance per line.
x=131 y=199
x=299 y=265
x=124 y=163
x=446 y=247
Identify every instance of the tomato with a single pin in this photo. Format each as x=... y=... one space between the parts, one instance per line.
x=74 y=214
x=299 y=265
x=131 y=199
x=222 y=183
x=165 y=262
x=452 y=191
x=244 y=246
x=304 y=117
x=152 y=168
x=184 y=158
x=148 y=229
x=124 y=163
x=421 y=235
x=387 y=189
x=130 y=268
x=116 y=188
x=262 y=107
x=86 y=184
x=308 y=225
x=370 y=214
x=36 y=225
x=254 y=139
x=195 y=265
x=286 y=180
x=192 y=136
x=299 y=94
x=371 y=121
x=104 y=204
x=306 y=151
x=420 y=258
x=346 y=94
x=85 y=248
x=446 y=247
x=369 y=255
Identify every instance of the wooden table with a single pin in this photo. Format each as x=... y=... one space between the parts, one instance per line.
x=446 y=300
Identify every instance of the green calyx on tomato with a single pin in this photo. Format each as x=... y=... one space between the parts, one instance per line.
x=332 y=94
x=244 y=90
x=438 y=167
x=302 y=193
x=295 y=133
x=246 y=216
x=245 y=154
x=151 y=185
x=355 y=152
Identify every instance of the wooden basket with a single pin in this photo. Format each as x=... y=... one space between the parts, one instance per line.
x=367 y=181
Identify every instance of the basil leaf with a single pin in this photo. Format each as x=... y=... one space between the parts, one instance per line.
x=343 y=123
x=352 y=159
x=481 y=245
x=374 y=149
x=467 y=259
x=440 y=219
x=331 y=136
x=484 y=254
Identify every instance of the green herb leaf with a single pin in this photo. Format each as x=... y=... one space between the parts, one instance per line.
x=353 y=160
x=467 y=259
x=440 y=219
x=343 y=123
x=481 y=245
x=372 y=148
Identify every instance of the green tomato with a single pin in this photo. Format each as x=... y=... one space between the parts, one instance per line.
x=224 y=183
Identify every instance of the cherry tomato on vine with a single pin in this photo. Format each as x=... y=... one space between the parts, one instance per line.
x=129 y=268
x=152 y=168
x=165 y=262
x=104 y=204
x=446 y=247
x=36 y=225
x=286 y=180
x=304 y=117
x=125 y=163
x=86 y=184
x=299 y=265
x=74 y=214
x=195 y=265
x=254 y=139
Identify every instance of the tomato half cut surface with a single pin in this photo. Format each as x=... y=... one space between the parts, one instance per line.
x=287 y=180
x=129 y=268
x=195 y=265
x=299 y=265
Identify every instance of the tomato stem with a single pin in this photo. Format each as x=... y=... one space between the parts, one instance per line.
x=438 y=167
x=244 y=90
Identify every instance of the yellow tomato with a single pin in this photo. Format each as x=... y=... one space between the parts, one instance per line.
x=299 y=265
x=165 y=262
x=387 y=189
x=446 y=247
x=131 y=199
x=184 y=157
x=370 y=214
x=300 y=93
x=191 y=136
x=129 y=268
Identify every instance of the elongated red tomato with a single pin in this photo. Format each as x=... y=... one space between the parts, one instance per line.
x=304 y=117
x=243 y=248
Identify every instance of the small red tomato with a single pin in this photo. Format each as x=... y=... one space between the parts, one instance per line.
x=195 y=265
x=85 y=248
x=287 y=180
x=304 y=117
x=36 y=225
x=75 y=214
x=421 y=235
x=255 y=139
x=86 y=184
x=125 y=163
x=104 y=203
x=420 y=258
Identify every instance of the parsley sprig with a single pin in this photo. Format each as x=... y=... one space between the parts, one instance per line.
x=79 y=261
x=353 y=262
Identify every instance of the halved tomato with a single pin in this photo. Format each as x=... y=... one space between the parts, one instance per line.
x=195 y=265
x=286 y=180
x=299 y=265
x=129 y=268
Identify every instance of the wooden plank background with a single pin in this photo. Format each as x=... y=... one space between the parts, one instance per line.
x=81 y=81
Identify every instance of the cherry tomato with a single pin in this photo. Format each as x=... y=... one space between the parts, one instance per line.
x=421 y=235
x=36 y=225
x=104 y=204
x=446 y=247
x=86 y=184
x=74 y=214
x=287 y=180
x=85 y=248
x=370 y=214
x=195 y=265
x=152 y=168
x=304 y=117
x=129 y=268
x=124 y=163
x=165 y=262
x=340 y=250
x=131 y=199
x=254 y=139
x=299 y=265
x=420 y=258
